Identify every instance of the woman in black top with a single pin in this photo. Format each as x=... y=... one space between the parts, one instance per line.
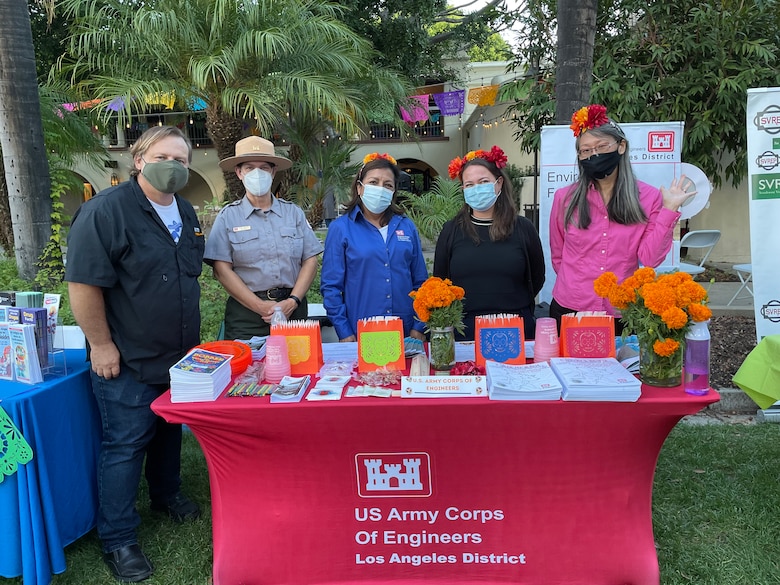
x=495 y=255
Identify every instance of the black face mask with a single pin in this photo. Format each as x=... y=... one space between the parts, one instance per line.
x=600 y=166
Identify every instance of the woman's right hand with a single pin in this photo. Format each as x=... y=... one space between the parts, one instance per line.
x=348 y=339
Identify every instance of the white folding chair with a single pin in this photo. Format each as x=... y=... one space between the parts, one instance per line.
x=701 y=239
x=745 y=274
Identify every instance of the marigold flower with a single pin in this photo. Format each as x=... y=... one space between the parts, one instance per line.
x=699 y=312
x=644 y=275
x=604 y=283
x=658 y=297
x=666 y=347
x=675 y=318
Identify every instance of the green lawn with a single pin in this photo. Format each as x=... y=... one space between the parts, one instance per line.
x=714 y=512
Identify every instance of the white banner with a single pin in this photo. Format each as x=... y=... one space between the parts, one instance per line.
x=763 y=167
x=654 y=148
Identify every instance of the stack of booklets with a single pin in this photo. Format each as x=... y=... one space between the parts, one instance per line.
x=522 y=382
x=596 y=379
x=6 y=355
x=200 y=376
x=23 y=353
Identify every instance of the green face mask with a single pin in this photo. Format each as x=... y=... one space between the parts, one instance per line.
x=166 y=176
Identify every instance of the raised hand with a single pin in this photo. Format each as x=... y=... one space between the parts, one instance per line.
x=678 y=193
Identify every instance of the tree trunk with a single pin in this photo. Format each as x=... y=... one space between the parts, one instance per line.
x=316 y=213
x=224 y=131
x=6 y=229
x=21 y=136
x=576 y=37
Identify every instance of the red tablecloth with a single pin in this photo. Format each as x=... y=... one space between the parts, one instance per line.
x=408 y=491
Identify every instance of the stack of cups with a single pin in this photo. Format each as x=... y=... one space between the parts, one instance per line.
x=546 y=340
x=277 y=362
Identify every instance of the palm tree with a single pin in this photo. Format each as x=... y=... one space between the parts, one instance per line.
x=26 y=169
x=323 y=161
x=246 y=59
x=576 y=37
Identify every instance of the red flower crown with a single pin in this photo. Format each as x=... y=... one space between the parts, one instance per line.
x=494 y=155
x=588 y=118
x=375 y=155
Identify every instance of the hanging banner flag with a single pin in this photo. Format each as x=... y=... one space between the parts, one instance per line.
x=116 y=104
x=166 y=99
x=418 y=113
x=763 y=162
x=72 y=107
x=195 y=104
x=483 y=96
x=451 y=103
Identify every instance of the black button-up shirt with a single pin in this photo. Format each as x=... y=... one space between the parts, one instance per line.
x=150 y=283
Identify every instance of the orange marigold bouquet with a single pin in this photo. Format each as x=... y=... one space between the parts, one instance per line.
x=439 y=303
x=659 y=309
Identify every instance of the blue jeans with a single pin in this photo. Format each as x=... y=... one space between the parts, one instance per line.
x=131 y=431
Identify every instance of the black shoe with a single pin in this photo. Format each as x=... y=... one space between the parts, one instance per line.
x=180 y=508
x=129 y=564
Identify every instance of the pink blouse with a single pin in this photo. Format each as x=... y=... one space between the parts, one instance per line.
x=580 y=256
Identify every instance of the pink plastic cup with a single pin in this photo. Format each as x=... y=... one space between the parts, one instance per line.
x=277 y=362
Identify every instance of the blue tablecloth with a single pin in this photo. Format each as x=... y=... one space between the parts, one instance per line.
x=52 y=500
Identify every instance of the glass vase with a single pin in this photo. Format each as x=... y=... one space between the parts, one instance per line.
x=658 y=370
x=442 y=348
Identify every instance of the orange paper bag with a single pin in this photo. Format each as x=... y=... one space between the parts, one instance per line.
x=500 y=338
x=304 y=345
x=380 y=344
x=587 y=335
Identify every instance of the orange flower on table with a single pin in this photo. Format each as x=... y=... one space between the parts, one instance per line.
x=699 y=312
x=675 y=318
x=666 y=347
x=659 y=306
x=439 y=303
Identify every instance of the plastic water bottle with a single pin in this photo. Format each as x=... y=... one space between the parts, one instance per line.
x=697 y=359
x=278 y=318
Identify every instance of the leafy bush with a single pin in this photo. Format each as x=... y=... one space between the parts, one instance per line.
x=433 y=208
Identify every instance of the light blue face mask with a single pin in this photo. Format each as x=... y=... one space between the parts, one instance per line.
x=376 y=199
x=482 y=196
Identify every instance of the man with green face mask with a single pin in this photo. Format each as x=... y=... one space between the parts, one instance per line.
x=134 y=256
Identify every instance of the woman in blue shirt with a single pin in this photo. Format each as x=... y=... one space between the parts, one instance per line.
x=373 y=257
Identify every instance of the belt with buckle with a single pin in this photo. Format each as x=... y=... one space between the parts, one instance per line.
x=275 y=294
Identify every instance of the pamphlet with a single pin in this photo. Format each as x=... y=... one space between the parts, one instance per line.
x=291 y=389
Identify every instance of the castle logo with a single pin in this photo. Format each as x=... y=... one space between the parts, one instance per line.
x=393 y=475
x=660 y=141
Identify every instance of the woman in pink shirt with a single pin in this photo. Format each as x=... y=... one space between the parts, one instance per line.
x=607 y=221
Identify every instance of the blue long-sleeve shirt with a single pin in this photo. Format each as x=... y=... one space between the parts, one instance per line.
x=364 y=276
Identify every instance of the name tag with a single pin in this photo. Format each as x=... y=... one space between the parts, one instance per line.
x=242 y=228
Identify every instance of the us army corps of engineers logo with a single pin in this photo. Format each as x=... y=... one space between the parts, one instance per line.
x=393 y=475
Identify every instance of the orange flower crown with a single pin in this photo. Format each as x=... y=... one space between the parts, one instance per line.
x=494 y=155
x=375 y=155
x=588 y=118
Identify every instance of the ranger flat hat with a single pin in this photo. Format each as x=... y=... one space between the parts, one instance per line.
x=253 y=149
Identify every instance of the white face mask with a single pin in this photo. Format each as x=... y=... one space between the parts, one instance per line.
x=376 y=199
x=258 y=182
